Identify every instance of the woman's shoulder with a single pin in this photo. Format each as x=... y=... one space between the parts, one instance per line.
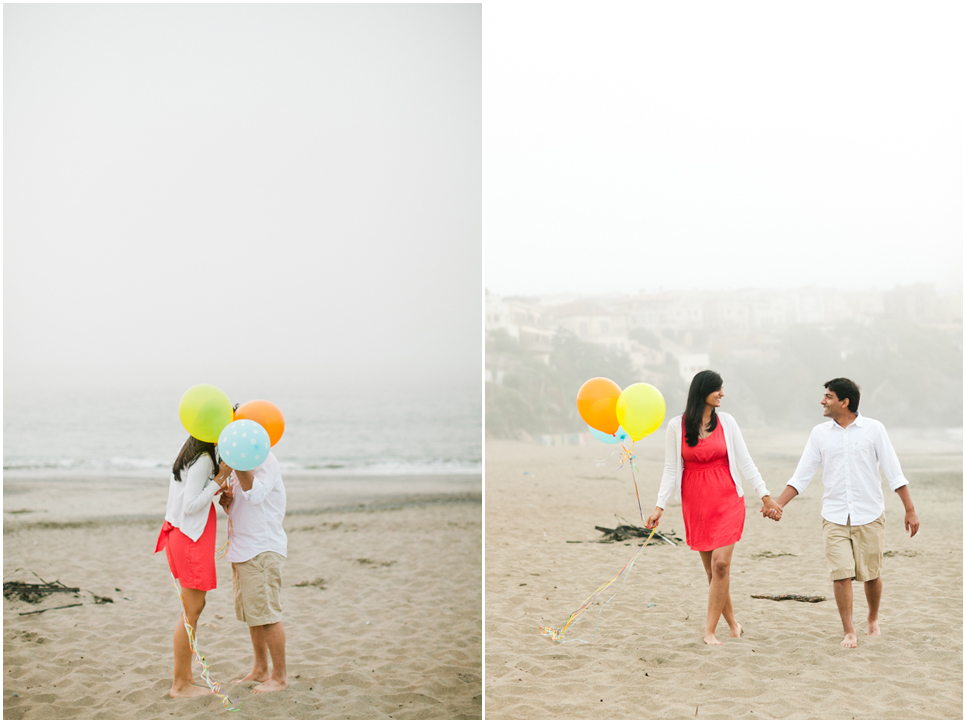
x=674 y=423
x=727 y=419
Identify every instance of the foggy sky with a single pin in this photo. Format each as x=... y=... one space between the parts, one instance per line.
x=215 y=187
x=722 y=145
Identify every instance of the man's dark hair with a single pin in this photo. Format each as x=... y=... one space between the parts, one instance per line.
x=845 y=389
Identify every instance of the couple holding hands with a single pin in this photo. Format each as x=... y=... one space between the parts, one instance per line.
x=704 y=454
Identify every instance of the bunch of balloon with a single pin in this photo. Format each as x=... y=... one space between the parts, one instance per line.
x=614 y=417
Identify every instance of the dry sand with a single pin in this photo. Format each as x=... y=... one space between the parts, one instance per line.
x=648 y=659
x=389 y=625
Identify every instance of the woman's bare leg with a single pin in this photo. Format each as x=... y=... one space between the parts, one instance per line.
x=717 y=565
x=184 y=683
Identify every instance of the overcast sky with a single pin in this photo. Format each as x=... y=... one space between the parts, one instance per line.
x=722 y=145
x=216 y=186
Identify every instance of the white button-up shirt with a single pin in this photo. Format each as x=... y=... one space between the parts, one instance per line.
x=256 y=515
x=850 y=458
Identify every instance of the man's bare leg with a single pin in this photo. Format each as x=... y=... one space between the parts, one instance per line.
x=843 y=599
x=873 y=593
x=260 y=668
x=184 y=682
x=275 y=638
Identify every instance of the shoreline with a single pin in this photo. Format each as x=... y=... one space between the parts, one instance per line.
x=65 y=499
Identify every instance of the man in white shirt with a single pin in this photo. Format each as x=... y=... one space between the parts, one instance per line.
x=851 y=448
x=257 y=550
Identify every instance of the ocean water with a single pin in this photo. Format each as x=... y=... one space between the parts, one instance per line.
x=380 y=429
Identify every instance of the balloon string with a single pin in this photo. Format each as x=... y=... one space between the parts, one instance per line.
x=556 y=634
x=224 y=548
x=192 y=643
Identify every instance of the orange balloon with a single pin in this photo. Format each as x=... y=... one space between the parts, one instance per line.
x=597 y=404
x=266 y=414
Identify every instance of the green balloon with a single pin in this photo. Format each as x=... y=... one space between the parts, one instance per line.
x=205 y=410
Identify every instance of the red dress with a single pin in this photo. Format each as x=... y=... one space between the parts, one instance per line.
x=714 y=514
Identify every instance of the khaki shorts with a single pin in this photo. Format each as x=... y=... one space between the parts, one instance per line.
x=256 y=584
x=854 y=551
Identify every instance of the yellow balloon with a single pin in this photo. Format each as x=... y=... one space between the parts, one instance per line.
x=640 y=410
x=205 y=410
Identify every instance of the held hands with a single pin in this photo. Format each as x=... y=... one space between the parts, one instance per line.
x=654 y=518
x=770 y=509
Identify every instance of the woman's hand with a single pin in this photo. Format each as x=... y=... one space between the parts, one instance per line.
x=654 y=518
x=770 y=509
x=223 y=471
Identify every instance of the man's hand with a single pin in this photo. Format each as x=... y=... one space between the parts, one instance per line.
x=912 y=523
x=654 y=518
x=225 y=496
x=770 y=509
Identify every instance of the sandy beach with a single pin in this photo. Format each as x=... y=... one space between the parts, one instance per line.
x=381 y=595
x=648 y=659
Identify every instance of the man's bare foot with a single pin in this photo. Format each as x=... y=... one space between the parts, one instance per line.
x=850 y=641
x=710 y=639
x=188 y=691
x=259 y=676
x=735 y=631
x=874 y=628
x=270 y=686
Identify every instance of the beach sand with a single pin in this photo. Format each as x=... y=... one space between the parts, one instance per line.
x=382 y=598
x=648 y=659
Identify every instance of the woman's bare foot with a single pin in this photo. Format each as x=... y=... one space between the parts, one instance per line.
x=710 y=639
x=270 y=686
x=188 y=691
x=874 y=628
x=735 y=631
x=850 y=641
x=259 y=676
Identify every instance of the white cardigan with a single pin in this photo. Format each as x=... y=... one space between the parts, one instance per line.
x=738 y=458
x=189 y=500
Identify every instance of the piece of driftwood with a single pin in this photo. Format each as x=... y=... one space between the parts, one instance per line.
x=32 y=592
x=59 y=607
x=625 y=532
x=799 y=598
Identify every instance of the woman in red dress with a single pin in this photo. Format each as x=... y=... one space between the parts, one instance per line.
x=188 y=538
x=704 y=453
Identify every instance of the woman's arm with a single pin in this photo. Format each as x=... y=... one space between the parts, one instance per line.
x=199 y=488
x=746 y=464
x=672 y=447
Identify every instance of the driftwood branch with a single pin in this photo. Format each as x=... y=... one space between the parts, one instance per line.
x=799 y=598
x=59 y=607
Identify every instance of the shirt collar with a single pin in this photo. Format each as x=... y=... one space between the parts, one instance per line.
x=857 y=422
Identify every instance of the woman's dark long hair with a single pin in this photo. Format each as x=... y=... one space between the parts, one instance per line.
x=703 y=384
x=192 y=449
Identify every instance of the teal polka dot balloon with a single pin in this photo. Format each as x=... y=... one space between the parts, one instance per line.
x=244 y=445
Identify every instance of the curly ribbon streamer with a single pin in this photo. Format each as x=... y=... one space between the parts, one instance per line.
x=556 y=634
x=224 y=548
x=205 y=670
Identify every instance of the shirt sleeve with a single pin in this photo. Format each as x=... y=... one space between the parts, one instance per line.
x=672 y=449
x=808 y=465
x=199 y=488
x=888 y=460
x=261 y=485
x=747 y=465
